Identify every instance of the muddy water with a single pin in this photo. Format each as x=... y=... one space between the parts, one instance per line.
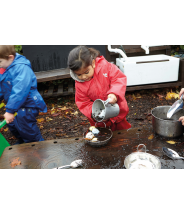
x=103 y=136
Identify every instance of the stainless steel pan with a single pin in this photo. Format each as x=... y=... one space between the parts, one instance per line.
x=142 y=160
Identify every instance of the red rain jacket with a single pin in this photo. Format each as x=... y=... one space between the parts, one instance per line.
x=107 y=79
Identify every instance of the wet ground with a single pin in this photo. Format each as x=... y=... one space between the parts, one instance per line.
x=56 y=153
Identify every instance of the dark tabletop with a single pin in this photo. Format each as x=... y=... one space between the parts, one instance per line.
x=59 y=152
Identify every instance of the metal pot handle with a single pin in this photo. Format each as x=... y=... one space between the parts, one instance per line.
x=100 y=122
x=107 y=101
x=141 y=145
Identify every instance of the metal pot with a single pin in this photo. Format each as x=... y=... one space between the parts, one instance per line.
x=103 y=142
x=111 y=110
x=142 y=160
x=164 y=126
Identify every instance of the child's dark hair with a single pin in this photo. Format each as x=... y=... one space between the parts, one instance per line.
x=6 y=50
x=81 y=57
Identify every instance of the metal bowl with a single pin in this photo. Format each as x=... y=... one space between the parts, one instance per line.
x=142 y=160
x=164 y=126
x=99 y=143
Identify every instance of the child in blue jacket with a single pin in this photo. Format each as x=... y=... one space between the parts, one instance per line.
x=18 y=87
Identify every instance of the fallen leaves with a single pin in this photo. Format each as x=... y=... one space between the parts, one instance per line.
x=64 y=108
x=40 y=120
x=5 y=130
x=41 y=113
x=133 y=97
x=160 y=96
x=171 y=95
x=151 y=137
x=12 y=138
x=48 y=119
x=75 y=113
x=83 y=123
x=55 y=115
x=15 y=162
x=171 y=142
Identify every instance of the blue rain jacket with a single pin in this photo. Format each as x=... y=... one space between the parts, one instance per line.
x=18 y=86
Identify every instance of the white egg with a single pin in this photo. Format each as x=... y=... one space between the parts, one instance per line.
x=90 y=135
x=94 y=139
x=91 y=128
x=95 y=131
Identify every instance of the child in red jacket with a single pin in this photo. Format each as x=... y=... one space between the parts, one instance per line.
x=95 y=78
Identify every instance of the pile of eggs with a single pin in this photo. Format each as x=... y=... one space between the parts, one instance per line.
x=91 y=135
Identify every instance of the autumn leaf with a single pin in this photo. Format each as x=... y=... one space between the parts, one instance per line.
x=75 y=113
x=171 y=95
x=41 y=113
x=160 y=96
x=15 y=162
x=48 y=119
x=151 y=137
x=171 y=142
x=138 y=96
x=12 y=138
x=64 y=108
x=5 y=130
x=52 y=112
x=134 y=97
x=40 y=120
x=83 y=123
x=55 y=115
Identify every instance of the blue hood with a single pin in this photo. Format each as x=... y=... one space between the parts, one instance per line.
x=18 y=86
x=19 y=59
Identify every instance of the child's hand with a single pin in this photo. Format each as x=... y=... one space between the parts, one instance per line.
x=181 y=92
x=9 y=117
x=113 y=98
x=182 y=120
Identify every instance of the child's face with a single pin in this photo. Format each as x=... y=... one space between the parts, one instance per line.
x=86 y=73
x=5 y=63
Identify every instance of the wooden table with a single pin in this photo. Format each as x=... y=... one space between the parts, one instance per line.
x=55 y=153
